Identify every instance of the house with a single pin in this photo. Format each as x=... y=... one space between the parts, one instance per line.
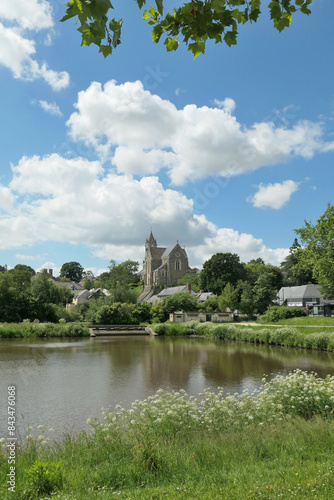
x=86 y=295
x=307 y=296
x=167 y=292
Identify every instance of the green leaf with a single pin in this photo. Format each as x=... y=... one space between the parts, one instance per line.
x=159 y=4
x=197 y=48
x=231 y=38
x=171 y=44
x=106 y=50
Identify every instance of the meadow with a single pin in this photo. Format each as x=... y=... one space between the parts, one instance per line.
x=274 y=443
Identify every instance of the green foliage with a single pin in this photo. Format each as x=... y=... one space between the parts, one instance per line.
x=247 y=299
x=211 y=304
x=192 y=279
x=43 y=478
x=318 y=250
x=264 y=291
x=293 y=274
x=72 y=271
x=220 y=269
x=180 y=301
x=42 y=330
x=194 y=22
x=228 y=298
x=276 y=313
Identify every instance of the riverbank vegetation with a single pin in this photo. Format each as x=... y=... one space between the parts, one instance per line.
x=274 y=335
x=276 y=442
x=29 y=330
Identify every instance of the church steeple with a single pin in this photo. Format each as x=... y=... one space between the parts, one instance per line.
x=151 y=241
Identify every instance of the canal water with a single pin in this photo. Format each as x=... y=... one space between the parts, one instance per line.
x=61 y=383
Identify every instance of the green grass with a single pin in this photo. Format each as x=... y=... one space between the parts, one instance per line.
x=275 y=443
x=307 y=320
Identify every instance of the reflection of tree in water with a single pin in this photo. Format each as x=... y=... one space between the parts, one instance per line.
x=169 y=362
x=232 y=362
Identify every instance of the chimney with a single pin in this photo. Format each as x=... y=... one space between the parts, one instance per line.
x=189 y=287
x=51 y=273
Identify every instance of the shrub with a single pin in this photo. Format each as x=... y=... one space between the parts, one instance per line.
x=276 y=313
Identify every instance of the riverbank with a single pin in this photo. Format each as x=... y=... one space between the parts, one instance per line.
x=41 y=330
x=291 y=336
x=275 y=443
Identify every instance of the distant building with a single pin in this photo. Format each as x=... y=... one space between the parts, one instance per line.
x=162 y=267
x=307 y=296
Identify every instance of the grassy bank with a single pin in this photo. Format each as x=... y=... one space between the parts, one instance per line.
x=275 y=443
x=304 y=321
x=27 y=330
x=276 y=335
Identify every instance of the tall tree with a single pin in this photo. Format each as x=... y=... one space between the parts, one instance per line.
x=318 y=250
x=221 y=269
x=228 y=298
x=292 y=274
x=72 y=271
x=194 y=22
x=121 y=276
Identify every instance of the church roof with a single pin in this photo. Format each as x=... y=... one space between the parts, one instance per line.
x=169 y=250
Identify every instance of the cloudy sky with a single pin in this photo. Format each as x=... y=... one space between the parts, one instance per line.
x=229 y=152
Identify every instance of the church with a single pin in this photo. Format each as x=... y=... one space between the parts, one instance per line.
x=163 y=267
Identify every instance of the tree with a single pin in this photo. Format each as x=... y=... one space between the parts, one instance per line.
x=318 y=250
x=264 y=292
x=72 y=271
x=180 y=301
x=196 y=21
x=89 y=279
x=120 y=277
x=246 y=305
x=293 y=275
x=228 y=298
x=192 y=279
x=221 y=269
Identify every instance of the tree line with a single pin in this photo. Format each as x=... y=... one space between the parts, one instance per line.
x=250 y=287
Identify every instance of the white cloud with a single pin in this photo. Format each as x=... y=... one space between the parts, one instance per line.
x=7 y=198
x=17 y=51
x=125 y=122
x=274 y=195
x=76 y=201
x=33 y=15
x=51 y=107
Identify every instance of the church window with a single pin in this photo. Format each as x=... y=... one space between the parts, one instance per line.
x=177 y=265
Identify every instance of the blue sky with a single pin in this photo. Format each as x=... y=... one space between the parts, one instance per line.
x=229 y=152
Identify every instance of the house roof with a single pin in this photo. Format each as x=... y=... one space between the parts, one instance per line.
x=300 y=292
x=166 y=292
x=201 y=297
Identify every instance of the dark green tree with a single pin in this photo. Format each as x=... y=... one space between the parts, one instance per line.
x=318 y=250
x=193 y=22
x=221 y=269
x=265 y=291
x=246 y=304
x=293 y=275
x=72 y=271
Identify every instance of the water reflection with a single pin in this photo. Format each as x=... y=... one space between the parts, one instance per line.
x=62 y=383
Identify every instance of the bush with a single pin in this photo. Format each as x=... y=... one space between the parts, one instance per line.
x=276 y=313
